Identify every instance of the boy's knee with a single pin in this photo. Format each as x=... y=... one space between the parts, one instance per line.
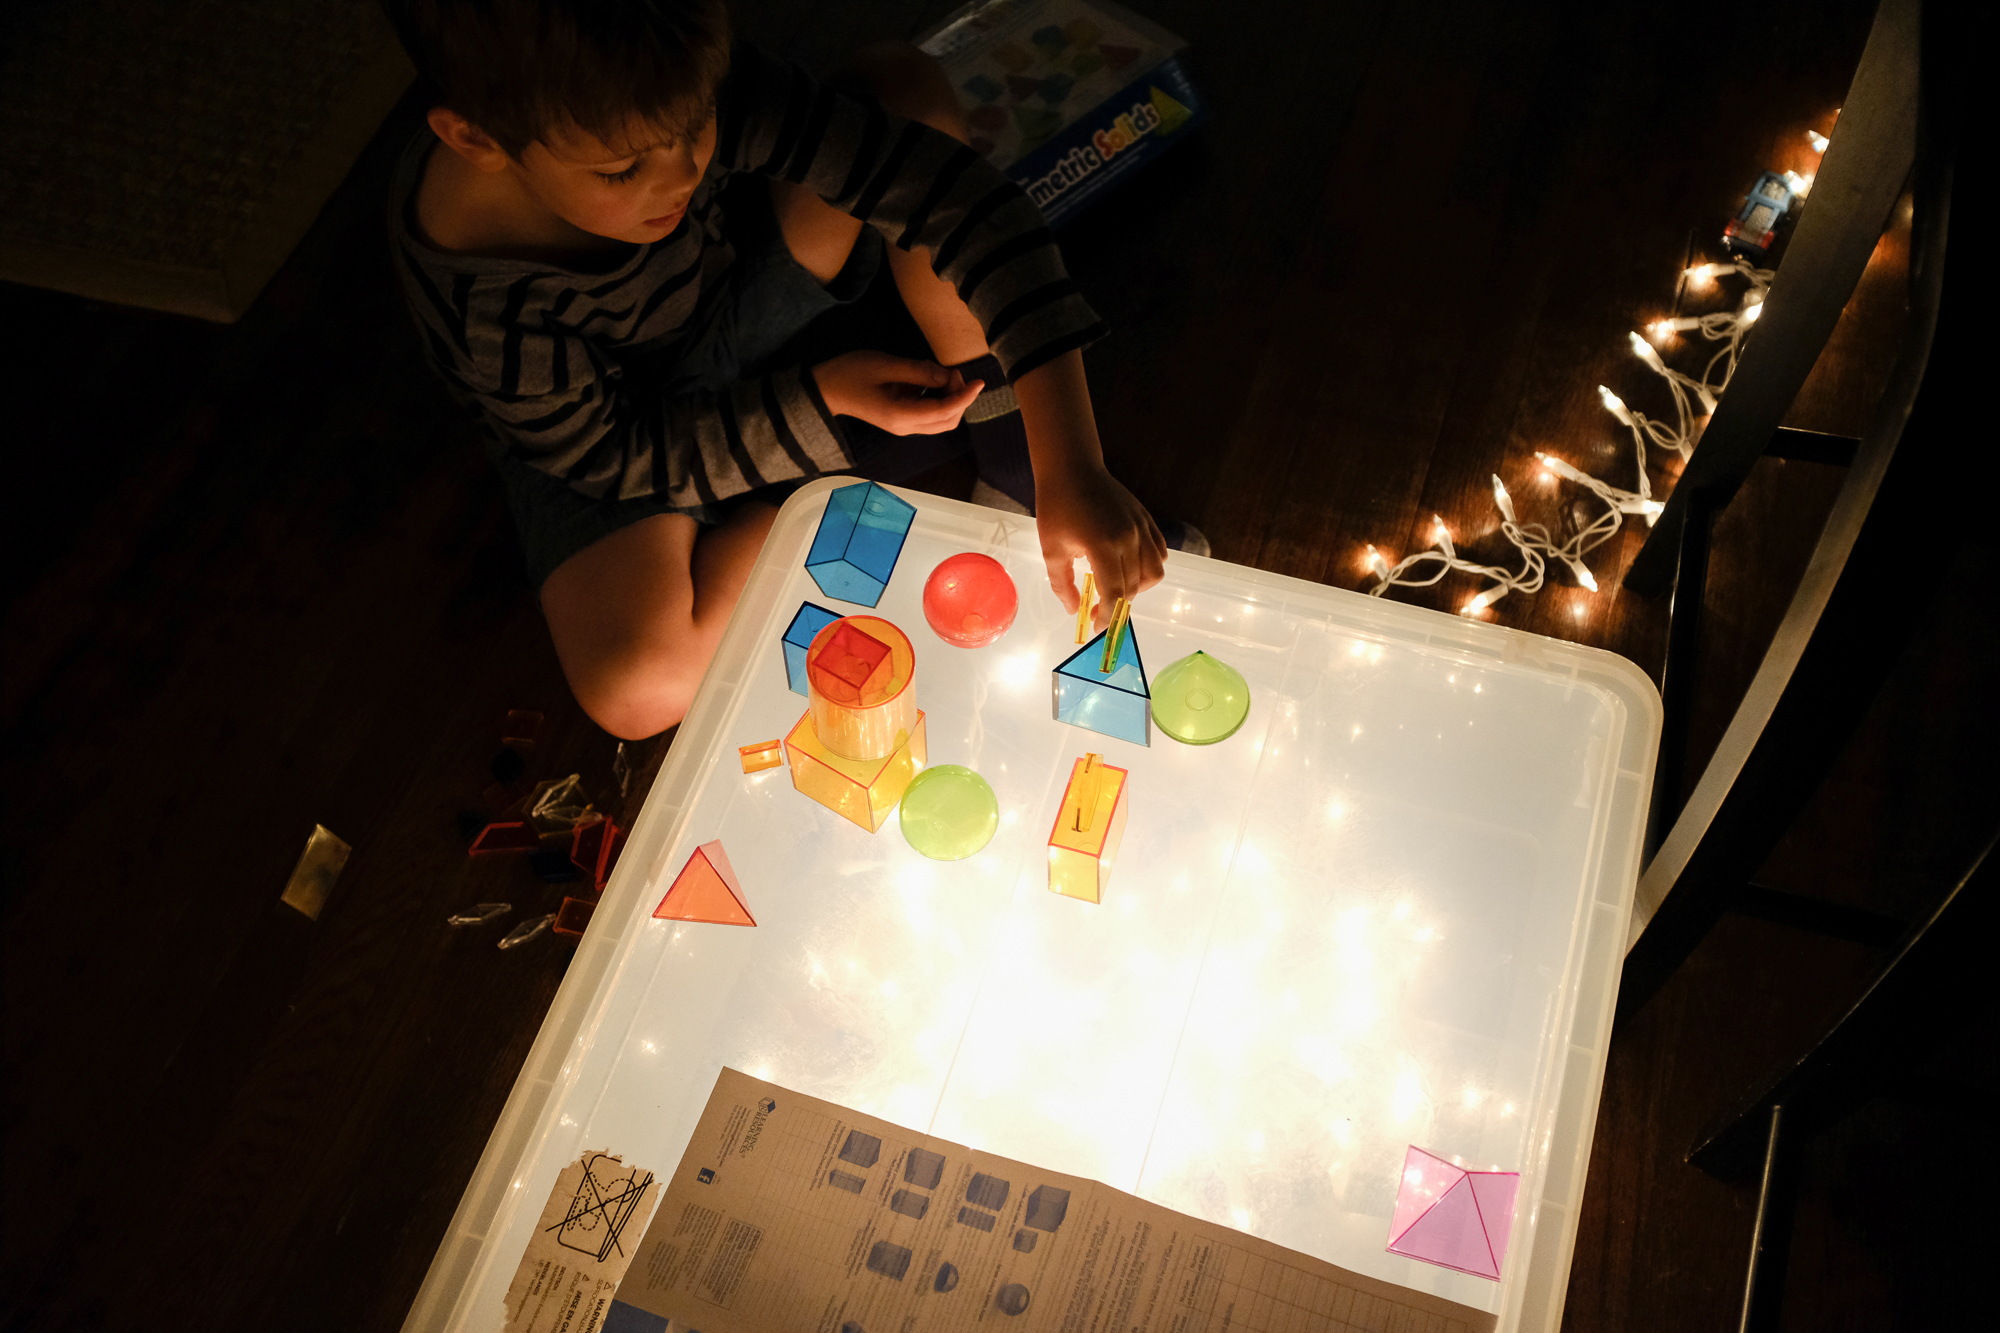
x=640 y=695
x=909 y=83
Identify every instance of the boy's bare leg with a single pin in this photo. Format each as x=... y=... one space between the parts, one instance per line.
x=912 y=85
x=637 y=615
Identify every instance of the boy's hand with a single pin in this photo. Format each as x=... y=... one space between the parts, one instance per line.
x=901 y=396
x=1080 y=508
x=1087 y=512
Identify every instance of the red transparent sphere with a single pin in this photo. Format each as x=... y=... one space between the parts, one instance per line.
x=970 y=600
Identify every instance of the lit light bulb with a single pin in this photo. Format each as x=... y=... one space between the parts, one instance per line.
x=1644 y=351
x=1502 y=499
x=1614 y=404
x=1376 y=564
x=1660 y=330
x=1799 y=185
x=1750 y=315
x=1478 y=602
x=1701 y=275
x=1582 y=572
x=1817 y=140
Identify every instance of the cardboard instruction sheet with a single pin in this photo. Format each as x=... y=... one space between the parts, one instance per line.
x=788 y=1212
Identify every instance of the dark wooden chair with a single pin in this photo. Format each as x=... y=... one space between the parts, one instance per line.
x=1855 y=607
x=1934 y=986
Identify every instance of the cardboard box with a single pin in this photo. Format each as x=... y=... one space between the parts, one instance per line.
x=1068 y=97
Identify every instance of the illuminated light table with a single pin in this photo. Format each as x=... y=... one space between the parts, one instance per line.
x=1390 y=910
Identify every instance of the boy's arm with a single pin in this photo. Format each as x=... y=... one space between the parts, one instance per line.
x=919 y=188
x=554 y=401
x=923 y=189
x=1080 y=508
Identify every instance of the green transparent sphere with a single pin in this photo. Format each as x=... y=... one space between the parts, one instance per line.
x=1199 y=700
x=949 y=812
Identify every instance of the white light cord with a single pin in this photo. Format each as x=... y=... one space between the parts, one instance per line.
x=1694 y=399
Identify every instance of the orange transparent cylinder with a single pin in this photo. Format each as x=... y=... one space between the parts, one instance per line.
x=1089 y=827
x=859 y=680
x=863 y=790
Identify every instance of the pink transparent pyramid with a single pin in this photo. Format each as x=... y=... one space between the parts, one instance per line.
x=1452 y=1217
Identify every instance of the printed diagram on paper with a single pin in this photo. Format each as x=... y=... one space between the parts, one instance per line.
x=791 y=1212
x=602 y=1206
x=581 y=1246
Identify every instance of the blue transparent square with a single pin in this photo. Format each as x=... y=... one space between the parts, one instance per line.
x=859 y=539
x=811 y=619
x=1114 y=703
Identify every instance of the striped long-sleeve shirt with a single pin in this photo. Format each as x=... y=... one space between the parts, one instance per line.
x=558 y=361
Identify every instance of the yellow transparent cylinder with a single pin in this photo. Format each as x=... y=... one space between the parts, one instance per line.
x=1089 y=827
x=859 y=681
x=863 y=790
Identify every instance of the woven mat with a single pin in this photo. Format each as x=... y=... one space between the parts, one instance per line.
x=170 y=153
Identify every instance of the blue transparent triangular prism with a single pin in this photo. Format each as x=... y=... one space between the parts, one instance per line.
x=1114 y=703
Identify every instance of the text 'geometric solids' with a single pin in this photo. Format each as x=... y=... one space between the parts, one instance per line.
x=1452 y=1217
x=810 y=620
x=1090 y=824
x=859 y=540
x=1112 y=703
x=706 y=890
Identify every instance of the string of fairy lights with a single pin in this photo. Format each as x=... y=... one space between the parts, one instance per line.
x=1693 y=399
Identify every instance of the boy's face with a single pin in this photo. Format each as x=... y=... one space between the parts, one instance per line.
x=636 y=190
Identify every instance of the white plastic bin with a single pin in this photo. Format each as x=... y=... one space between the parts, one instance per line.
x=1390 y=910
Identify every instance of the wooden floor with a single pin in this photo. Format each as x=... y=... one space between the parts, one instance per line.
x=260 y=579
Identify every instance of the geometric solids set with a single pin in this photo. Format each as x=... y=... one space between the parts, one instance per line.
x=1112 y=702
x=706 y=890
x=760 y=756
x=810 y=620
x=949 y=813
x=859 y=672
x=862 y=737
x=1089 y=826
x=862 y=790
x=1199 y=700
x=970 y=600
x=859 y=538
x=1452 y=1217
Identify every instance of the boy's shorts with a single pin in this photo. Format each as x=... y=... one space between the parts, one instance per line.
x=774 y=314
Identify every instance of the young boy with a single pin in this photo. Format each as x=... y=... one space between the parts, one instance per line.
x=640 y=250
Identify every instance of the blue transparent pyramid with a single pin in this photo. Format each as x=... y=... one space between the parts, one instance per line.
x=859 y=538
x=1114 y=703
x=811 y=619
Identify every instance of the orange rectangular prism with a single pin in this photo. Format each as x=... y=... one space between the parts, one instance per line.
x=863 y=790
x=764 y=754
x=1089 y=827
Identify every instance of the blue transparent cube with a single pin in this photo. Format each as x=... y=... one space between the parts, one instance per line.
x=1114 y=703
x=859 y=539
x=811 y=619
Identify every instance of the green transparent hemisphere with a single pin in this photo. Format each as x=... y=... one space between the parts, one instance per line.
x=949 y=812
x=1199 y=700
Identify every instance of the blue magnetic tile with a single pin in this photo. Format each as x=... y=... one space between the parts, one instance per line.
x=811 y=619
x=859 y=540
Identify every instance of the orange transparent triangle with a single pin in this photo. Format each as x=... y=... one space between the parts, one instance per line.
x=706 y=890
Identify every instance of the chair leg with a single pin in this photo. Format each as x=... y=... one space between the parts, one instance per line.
x=1770 y=1235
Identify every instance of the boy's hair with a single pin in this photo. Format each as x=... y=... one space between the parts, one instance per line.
x=521 y=69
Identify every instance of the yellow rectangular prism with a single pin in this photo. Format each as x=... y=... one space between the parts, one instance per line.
x=1088 y=828
x=863 y=790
